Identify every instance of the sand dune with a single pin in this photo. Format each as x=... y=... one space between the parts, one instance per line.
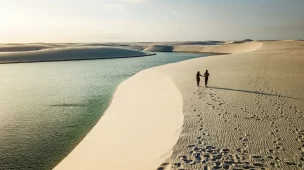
x=242 y=41
x=23 y=47
x=203 y=43
x=160 y=48
x=234 y=48
x=68 y=53
x=136 y=132
x=225 y=48
x=251 y=116
x=133 y=46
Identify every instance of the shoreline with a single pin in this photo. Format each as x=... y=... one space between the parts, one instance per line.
x=160 y=139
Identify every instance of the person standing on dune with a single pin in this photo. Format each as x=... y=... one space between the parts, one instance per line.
x=206 y=75
x=198 y=79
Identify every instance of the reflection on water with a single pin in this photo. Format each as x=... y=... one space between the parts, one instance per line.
x=47 y=108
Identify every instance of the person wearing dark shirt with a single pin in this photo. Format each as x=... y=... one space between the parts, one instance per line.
x=206 y=75
x=198 y=79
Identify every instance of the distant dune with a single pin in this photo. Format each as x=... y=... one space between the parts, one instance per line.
x=160 y=48
x=68 y=53
x=39 y=52
x=133 y=46
x=225 y=48
x=242 y=41
x=202 y=43
x=23 y=47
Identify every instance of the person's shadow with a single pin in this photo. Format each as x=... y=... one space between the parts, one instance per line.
x=253 y=92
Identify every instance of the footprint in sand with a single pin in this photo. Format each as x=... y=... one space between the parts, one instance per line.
x=290 y=163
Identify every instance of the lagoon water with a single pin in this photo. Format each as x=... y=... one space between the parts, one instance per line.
x=47 y=108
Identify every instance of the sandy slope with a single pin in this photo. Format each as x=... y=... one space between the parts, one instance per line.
x=68 y=53
x=252 y=114
x=137 y=131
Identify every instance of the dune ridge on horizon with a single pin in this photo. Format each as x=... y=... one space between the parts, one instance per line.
x=225 y=48
x=41 y=52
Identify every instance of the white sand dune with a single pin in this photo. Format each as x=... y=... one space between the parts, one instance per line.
x=137 y=131
x=69 y=53
x=251 y=116
x=225 y=48
x=23 y=47
x=202 y=43
x=234 y=48
x=133 y=46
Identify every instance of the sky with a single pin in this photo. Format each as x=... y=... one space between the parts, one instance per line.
x=149 y=20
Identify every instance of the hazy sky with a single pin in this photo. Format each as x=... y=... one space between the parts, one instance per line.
x=149 y=20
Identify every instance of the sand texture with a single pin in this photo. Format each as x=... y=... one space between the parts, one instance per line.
x=251 y=116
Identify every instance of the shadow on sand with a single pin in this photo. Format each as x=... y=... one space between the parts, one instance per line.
x=253 y=92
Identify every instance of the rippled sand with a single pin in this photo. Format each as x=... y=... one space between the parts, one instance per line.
x=250 y=117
